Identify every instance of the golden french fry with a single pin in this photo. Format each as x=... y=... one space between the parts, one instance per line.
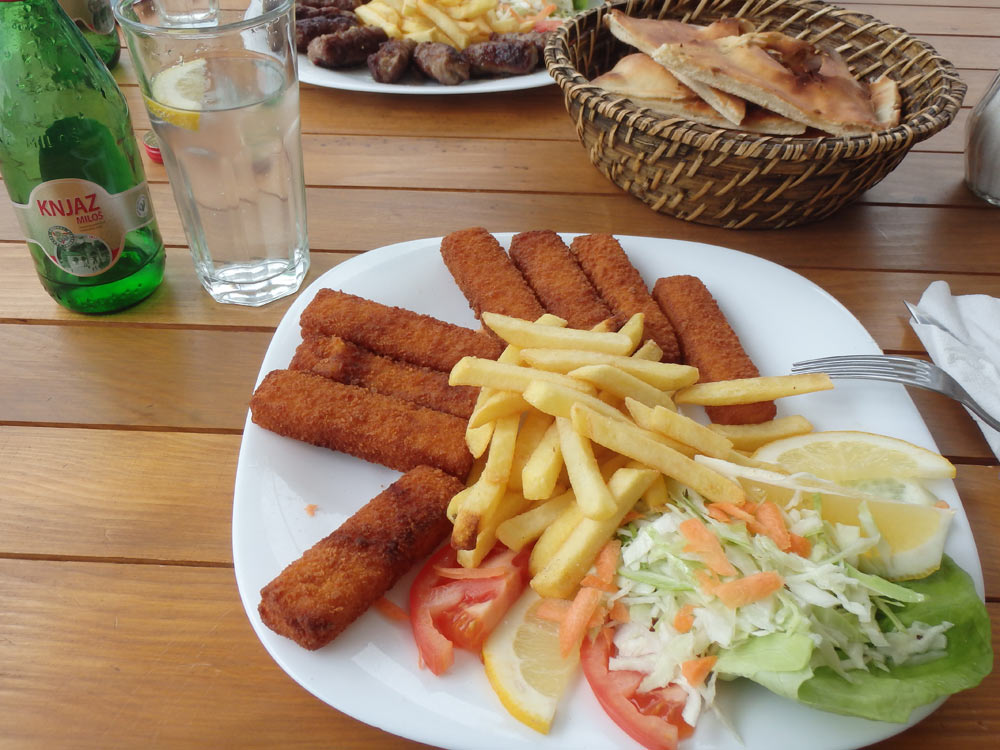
x=553 y=538
x=663 y=375
x=749 y=437
x=497 y=405
x=529 y=435
x=410 y=9
x=562 y=573
x=503 y=22
x=684 y=430
x=463 y=11
x=527 y=526
x=541 y=470
x=649 y=350
x=592 y=494
x=373 y=16
x=396 y=5
x=639 y=445
x=507 y=377
x=557 y=400
x=526 y=334
x=643 y=417
x=633 y=329
x=656 y=495
x=621 y=384
x=444 y=22
x=511 y=504
x=752 y=390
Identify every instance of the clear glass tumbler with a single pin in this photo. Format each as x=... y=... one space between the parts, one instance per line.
x=982 y=147
x=223 y=98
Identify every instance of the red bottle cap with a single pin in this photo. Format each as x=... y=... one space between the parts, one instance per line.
x=152 y=147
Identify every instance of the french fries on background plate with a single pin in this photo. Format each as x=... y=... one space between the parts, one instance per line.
x=573 y=428
x=455 y=22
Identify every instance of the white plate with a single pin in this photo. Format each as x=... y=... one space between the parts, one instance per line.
x=359 y=79
x=371 y=672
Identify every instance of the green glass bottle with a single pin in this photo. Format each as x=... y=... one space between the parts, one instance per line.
x=71 y=165
x=97 y=22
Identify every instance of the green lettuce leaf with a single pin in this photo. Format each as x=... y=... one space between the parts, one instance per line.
x=949 y=596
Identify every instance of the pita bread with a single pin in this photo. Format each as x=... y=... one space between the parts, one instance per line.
x=648 y=84
x=779 y=73
x=886 y=101
x=648 y=34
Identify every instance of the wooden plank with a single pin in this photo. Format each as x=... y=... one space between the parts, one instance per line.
x=958 y=3
x=866 y=236
x=99 y=656
x=117 y=494
x=181 y=301
x=937 y=20
x=140 y=377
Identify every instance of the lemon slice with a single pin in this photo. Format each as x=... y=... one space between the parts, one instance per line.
x=177 y=93
x=914 y=534
x=523 y=664
x=851 y=456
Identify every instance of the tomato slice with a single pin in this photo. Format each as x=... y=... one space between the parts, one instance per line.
x=447 y=612
x=653 y=719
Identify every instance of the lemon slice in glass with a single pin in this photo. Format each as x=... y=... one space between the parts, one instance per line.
x=523 y=664
x=851 y=456
x=177 y=93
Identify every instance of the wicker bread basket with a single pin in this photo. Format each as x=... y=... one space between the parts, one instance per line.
x=741 y=180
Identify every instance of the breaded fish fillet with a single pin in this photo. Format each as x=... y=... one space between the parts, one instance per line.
x=334 y=358
x=601 y=257
x=369 y=425
x=393 y=331
x=709 y=343
x=337 y=579
x=487 y=276
x=560 y=283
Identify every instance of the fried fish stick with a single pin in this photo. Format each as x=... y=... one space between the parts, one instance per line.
x=393 y=331
x=381 y=429
x=619 y=283
x=709 y=343
x=334 y=358
x=487 y=276
x=558 y=280
x=337 y=579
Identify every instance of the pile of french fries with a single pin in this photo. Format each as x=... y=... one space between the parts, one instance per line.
x=455 y=22
x=572 y=428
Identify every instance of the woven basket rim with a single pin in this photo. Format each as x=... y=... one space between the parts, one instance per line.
x=917 y=127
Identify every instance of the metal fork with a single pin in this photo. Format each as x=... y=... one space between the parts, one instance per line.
x=905 y=370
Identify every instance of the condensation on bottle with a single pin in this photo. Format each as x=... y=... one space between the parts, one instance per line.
x=71 y=165
x=982 y=147
x=97 y=22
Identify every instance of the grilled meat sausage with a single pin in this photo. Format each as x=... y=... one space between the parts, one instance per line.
x=538 y=38
x=442 y=62
x=307 y=29
x=344 y=48
x=388 y=64
x=500 y=57
x=339 y=4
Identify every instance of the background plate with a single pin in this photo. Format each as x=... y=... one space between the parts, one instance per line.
x=370 y=671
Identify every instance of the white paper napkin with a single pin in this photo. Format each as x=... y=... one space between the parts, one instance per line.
x=962 y=335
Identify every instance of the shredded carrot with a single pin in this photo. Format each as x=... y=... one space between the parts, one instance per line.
x=736 y=511
x=706 y=546
x=942 y=504
x=631 y=516
x=543 y=13
x=574 y=625
x=619 y=612
x=800 y=545
x=553 y=610
x=718 y=513
x=696 y=670
x=684 y=619
x=599 y=617
x=460 y=573
x=607 y=561
x=390 y=610
x=749 y=506
x=311 y=509
x=706 y=581
x=597 y=583
x=750 y=589
x=773 y=525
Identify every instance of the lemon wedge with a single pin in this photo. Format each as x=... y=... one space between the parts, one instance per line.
x=914 y=535
x=177 y=93
x=523 y=664
x=851 y=456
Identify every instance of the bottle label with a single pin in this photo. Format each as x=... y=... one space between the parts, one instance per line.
x=94 y=15
x=80 y=225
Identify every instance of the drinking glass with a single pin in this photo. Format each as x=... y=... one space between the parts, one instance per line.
x=221 y=89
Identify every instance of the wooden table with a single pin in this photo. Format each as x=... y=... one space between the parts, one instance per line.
x=120 y=622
